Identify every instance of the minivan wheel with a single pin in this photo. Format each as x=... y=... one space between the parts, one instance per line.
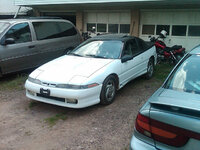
x=108 y=90
x=150 y=69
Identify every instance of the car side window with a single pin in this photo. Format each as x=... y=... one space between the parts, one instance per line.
x=20 y=33
x=128 y=50
x=142 y=45
x=46 y=30
x=51 y=30
x=131 y=48
x=66 y=29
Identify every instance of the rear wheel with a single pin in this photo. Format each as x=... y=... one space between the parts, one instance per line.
x=1 y=73
x=150 y=69
x=108 y=91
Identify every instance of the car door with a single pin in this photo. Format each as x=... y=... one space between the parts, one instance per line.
x=53 y=39
x=144 y=55
x=20 y=54
x=129 y=68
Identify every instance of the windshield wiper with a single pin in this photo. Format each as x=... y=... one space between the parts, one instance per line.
x=75 y=54
x=95 y=56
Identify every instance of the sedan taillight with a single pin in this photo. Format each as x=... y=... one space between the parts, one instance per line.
x=164 y=133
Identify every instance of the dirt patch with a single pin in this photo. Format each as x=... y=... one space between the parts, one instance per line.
x=24 y=125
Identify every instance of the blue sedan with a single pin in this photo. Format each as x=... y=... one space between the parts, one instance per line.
x=170 y=119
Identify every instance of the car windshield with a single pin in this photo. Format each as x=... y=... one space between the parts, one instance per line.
x=187 y=76
x=3 y=26
x=100 y=49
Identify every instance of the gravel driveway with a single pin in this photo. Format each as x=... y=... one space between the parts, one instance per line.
x=27 y=125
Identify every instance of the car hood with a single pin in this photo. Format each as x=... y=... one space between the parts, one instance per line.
x=65 y=68
x=177 y=98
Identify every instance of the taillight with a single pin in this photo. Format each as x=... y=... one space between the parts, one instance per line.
x=162 y=132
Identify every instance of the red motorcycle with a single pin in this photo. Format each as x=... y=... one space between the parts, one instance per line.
x=171 y=54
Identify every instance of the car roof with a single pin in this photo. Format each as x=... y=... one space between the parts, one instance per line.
x=11 y=21
x=119 y=37
x=195 y=50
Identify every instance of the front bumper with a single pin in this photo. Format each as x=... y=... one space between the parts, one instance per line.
x=84 y=97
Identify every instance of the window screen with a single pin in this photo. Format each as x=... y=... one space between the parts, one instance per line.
x=148 y=29
x=20 y=33
x=113 y=28
x=101 y=27
x=179 y=30
x=90 y=25
x=159 y=28
x=194 y=31
x=124 y=28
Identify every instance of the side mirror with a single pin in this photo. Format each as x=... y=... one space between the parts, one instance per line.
x=126 y=58
x=8 y=41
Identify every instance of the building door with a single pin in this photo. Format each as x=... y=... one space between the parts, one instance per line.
x=183 y=26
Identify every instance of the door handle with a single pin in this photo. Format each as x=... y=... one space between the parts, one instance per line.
x=31 y=46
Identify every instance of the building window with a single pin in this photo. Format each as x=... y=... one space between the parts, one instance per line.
x=90 y=26
x=113 y=28
x=159 y=28
x=148 y=29
x=179 y=30
x=194 y=31
x=101 y=27
x=124 y=28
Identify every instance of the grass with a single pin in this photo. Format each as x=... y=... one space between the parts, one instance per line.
x=32 y=104
x=162 y=71
x=16 y=82
x=51 y=121
x=13 y=83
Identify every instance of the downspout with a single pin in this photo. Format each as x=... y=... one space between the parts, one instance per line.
x=17 y=12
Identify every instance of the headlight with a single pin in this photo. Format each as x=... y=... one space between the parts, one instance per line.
x=70 y=86
x=36 y=81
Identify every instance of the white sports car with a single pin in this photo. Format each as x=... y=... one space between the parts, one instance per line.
x=93 y=72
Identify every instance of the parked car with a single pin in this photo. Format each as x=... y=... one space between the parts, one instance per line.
x=93 y=72
x=27 y=43
x=169 y=120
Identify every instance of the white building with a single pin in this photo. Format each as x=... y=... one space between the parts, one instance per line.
x=180 y=18
x=8 y=9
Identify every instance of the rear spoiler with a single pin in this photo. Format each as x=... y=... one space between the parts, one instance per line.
x=175 y=109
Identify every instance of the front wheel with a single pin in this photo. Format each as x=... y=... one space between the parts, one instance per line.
x=108 y=91
x=150 y=69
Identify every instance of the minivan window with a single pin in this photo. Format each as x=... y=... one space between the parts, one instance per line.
x=66 y=29
x=45 y=30
x=50 y=30
x=3 y=26
x=19 y=32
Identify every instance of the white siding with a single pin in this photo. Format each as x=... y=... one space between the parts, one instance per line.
x=7 y=7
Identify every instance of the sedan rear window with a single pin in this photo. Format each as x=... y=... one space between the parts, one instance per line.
x=186 y=77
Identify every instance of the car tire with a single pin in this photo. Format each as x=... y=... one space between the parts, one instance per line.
x=1 y=75
x=108 y=90
x=150 y=69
